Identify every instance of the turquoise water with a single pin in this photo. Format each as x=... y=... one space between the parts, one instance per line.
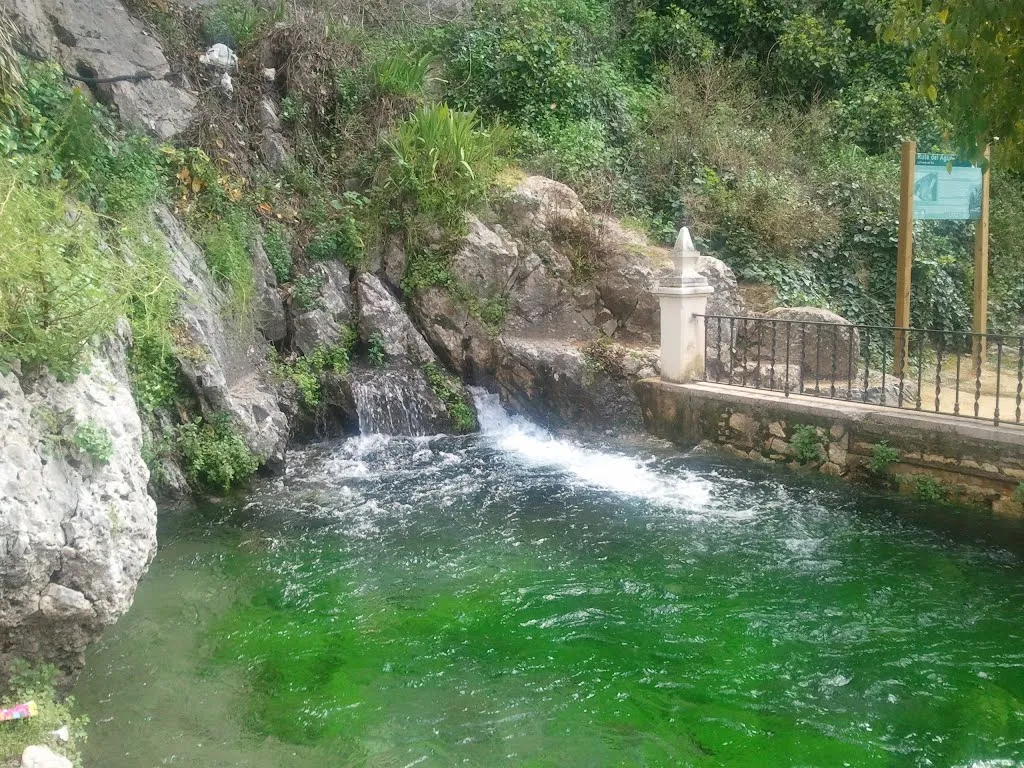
x=516 y=599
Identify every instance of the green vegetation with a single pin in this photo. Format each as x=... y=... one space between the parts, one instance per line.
x=1018 y=494
x=306 y=371
x=980 y=96
x=215 y=456
x=883 y=456
x=450 y=391
x=928 y=489
x=807 y=444
x=39 y=684
x=277 y=242
x=94 y=441
x=376 y=351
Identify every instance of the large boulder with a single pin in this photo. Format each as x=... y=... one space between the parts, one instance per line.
x=382 y=320
x=825 y=345
x=321 y=323
x=562 y=385
x=98 y=39
x=76 y=533
x=223 y=359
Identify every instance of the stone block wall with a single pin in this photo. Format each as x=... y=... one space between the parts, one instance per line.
x=958 y=460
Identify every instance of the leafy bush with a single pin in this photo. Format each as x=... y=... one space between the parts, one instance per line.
x=450 y=391
x=277 y=243
x=672 y=38
x=527 y=58
x=807 y=444
x=39 y=684
x=94 y=441
x=339 y=239
x=927 y=488
x=376 y=351
x=883 y=456
x=215 y=455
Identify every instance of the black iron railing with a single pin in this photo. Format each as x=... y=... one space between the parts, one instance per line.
x=973 y=375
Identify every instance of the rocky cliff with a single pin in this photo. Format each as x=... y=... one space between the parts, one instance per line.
x=77 y=526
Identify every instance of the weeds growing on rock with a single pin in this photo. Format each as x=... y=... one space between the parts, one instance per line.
x=883 y=456
x=928 y=489
x=214 y=455
x=94 y=441
x=450 y=391
x=807 y=444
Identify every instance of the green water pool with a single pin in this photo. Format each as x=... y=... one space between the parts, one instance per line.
x=512 y=599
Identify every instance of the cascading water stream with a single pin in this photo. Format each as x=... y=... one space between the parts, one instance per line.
x=608 y=470
x=392 y=402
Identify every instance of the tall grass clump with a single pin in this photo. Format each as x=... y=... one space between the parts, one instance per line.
x=58 y=287
x=441 y=163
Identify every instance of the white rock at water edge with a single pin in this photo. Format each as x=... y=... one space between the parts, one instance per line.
x=38 y=756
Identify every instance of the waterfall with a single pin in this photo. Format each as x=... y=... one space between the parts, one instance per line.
x=619 y=473
x=396 y=402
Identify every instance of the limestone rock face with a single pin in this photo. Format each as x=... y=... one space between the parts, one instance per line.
x=320 y=325
x=382 y=317
x=97 y=38
x=556 y=384
x=226 y=363
x=76 y=535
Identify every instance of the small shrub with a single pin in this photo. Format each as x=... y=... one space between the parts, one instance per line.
x=339 y=239
x=1018 y=494
x=376 y=351
x=94 y=441
x=306 y=292
x=927 y=488
x=882 y=457
x=277 y=243
x=215 y=455
x=307 y=371
x=39 y=684
x=450 y=391
x=807 y=444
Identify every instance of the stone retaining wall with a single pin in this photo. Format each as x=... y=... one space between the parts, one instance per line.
x=961 y=460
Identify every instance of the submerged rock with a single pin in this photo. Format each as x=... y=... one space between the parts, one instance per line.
x=76 y=532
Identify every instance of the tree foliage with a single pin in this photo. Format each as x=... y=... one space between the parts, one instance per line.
x=969 y=57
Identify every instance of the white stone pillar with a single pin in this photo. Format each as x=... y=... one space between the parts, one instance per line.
x=683 y=296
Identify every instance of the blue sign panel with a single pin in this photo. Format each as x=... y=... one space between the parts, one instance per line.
x=946 y=188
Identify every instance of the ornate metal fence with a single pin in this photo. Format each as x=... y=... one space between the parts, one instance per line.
x=972 y=375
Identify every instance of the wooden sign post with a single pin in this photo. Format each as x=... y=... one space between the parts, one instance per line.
x=940 y=187
x=904 y=256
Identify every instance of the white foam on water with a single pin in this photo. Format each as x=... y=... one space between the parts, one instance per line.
x=615 y=472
